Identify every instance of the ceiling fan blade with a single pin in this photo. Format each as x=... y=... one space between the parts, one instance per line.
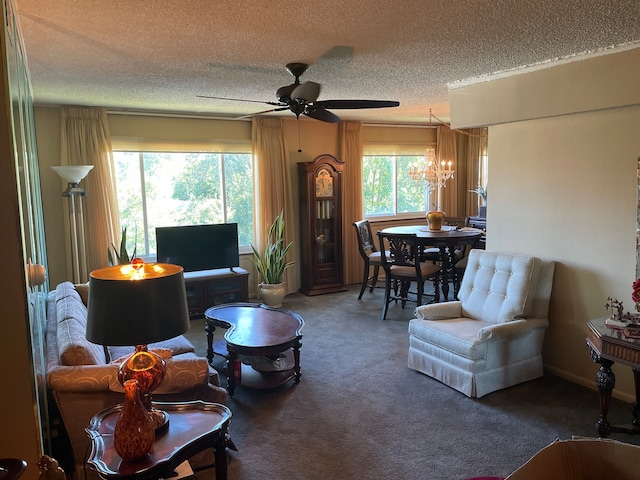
x=241 y=100
x=321 y=114
x=260 y=113
x=307 y=91
x=345 y=104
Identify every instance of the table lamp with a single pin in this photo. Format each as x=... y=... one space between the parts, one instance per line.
x=137 y=304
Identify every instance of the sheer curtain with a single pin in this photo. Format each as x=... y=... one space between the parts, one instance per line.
x=447 y=152
x=476 y=165
x=272 y=185
x=350 y=144
x=85 y=140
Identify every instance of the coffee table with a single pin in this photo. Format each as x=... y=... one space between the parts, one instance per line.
x=255 y=330
x=193 y=427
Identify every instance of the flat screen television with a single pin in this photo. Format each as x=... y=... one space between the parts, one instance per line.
x=199 y=247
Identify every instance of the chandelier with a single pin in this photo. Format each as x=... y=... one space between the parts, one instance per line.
x=435 y=174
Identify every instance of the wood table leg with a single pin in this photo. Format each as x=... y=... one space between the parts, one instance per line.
x=296 y=358
x=234 y=368
x=635 y=410
x=220 y=455
x=606 y=380
x=210 y=329
x=444 y=272
x=220 y=460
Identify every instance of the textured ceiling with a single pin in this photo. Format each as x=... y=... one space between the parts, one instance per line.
x=158 y=55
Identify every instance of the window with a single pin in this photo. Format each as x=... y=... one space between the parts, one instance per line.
x=387 y=188
x=159 y=189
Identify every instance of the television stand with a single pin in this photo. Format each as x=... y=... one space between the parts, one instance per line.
x=207 y=288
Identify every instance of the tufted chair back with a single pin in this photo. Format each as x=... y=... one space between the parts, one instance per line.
x=498 y=288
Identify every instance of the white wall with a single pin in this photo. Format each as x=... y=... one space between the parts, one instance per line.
x=563 y=187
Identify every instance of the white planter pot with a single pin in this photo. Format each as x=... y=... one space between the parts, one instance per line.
x=272 y=294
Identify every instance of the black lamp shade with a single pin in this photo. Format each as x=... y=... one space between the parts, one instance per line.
x=135 y=307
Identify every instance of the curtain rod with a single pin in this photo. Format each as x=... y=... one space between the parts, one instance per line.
x=143 y=113
x=398 y=125
x=174 y=115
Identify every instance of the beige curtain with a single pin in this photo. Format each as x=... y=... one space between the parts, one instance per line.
x=85 y=140
x=272 y=186
x=447 y=152
x=476 y=139
x=350 y=144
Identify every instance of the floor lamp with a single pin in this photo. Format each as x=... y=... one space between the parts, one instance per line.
x=73 y=174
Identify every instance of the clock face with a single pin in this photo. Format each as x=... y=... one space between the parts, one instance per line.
x=324 y=184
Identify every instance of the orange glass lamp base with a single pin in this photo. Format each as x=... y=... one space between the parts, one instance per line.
x=148 y=369
x=135 y=429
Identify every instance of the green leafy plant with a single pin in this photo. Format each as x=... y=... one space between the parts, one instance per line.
x=272 y=263
x=120 y=257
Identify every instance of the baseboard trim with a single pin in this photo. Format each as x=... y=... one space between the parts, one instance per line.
x=625 y=397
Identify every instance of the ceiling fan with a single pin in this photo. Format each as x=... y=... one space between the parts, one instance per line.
x=301 y=99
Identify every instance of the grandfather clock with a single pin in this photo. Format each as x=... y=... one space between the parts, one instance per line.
x=321 y=225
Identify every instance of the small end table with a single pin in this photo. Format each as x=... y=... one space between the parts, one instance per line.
x=193 y=427
x=608 y=345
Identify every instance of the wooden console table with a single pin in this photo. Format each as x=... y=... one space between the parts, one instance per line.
x=215 y=287
x=608 y=345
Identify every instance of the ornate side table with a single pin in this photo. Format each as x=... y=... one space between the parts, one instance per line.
x=608 y=345
x=193 y=427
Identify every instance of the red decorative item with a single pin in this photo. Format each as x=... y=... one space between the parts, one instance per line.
x=134 y=433
x=148 y=369
x=137 y=263
x=635 y=295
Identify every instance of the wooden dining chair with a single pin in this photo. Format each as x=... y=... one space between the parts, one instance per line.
x=370 y=255
x=459 y=222
x=401 y=259
x=460 y=253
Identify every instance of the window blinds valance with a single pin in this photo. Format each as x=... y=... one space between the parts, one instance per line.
x=395 y=148
x=136 y=144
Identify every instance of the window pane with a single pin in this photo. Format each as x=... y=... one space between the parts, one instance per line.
x=387 y=188
x=183 y=189
x=128 y=175
x=239 y=194
x=411 y=193
x=197 y=190
x=377 y=185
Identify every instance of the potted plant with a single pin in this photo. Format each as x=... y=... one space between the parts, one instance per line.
x=482 y=193
x=272 y=263
x=120 y=257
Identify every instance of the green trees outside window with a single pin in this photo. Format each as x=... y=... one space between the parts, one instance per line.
x=387 y=188
x=160 y=189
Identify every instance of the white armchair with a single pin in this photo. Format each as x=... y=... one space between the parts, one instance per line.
x=492 y=337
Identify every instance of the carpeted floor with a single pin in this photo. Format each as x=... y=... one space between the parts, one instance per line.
x=360 y=413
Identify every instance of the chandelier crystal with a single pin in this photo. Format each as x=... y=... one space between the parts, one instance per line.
x=435 y=174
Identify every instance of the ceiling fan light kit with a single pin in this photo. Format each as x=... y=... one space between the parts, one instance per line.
x=300 y=99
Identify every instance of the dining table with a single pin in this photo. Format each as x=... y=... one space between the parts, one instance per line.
x=447 y=240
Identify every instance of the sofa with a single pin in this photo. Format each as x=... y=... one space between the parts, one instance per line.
x=82 y=376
